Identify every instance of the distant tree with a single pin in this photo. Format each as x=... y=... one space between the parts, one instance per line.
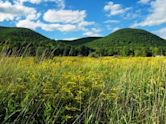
x=148 y=52
x=83 y=50
x=156 y=51
x=93 y=54
x=40 y=51
x=110 y=52
x=72 y=52
x=126 y=51
x=66 y=51
x=102 y=51
x=140 y=51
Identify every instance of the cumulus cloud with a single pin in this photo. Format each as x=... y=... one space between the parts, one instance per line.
x=111 y=21
x=10 y=12
x=115 y=29
x=60 y=27
x=161 y=32
x=53 y=19
x=71 y=38
x=65 y=16
x=30 y=1
x=28 y=24
x=60 y=3
x=93 y=32
x=144 y=1
x=157 y=15
x=66 y=20
x=114 y=9
x=53 y=26
x=47 y=27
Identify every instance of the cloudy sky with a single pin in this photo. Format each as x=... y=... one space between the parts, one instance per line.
x=70 y=19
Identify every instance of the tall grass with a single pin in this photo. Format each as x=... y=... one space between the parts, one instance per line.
x=83 y=90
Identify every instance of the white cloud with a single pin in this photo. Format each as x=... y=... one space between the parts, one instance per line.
x=64 y=16
x=115 y=29
x=66 y=20
x=161 y=32
x=60 y=3
x=82 y=25
x=10 y=12
x=144 y=1
x=54 y=19
x=132 y=15
x=157 y=15
x=47 y=27
x=94 y=32
x=30 y=1
x=114 y=9
x=111 y=21
x=53 y=26
x=28 y=24
x=71 y=38
x=59 y=27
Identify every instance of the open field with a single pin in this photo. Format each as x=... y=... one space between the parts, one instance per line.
x=83 y=90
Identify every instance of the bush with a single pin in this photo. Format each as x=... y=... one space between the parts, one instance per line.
x=93 y=54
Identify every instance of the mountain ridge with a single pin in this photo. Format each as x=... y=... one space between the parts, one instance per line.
x=125 y=42
x=130 y=37
x=80 y=41
x=16 y=34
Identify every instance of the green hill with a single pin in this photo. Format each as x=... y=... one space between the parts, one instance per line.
x=18 y=40
x=15 y=35
x=129 y=42
x=124 y=42
x=81 y=41
x=129 y=38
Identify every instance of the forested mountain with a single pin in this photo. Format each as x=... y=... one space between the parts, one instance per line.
x=130 y=42
x=19 y=41
x=81 y=41
x=13 y=34
x=129 y=37
x=124 y=42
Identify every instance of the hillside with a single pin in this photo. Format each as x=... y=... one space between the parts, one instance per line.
x=19 y=41
x=124 y=42
x=81 y=41
x=19 y=34
x=13 y=35
x=130 y=38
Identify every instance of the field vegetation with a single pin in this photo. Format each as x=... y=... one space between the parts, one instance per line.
x=86 y=90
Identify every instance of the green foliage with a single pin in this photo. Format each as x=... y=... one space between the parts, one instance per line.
x=81 y=41
x=128 y=38
x=93 y=54
x=82 y=90
x=125 y=42
x=129 y=42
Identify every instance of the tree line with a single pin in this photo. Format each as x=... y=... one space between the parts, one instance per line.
x=60 y=49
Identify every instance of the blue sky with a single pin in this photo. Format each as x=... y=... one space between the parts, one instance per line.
x=70 y=19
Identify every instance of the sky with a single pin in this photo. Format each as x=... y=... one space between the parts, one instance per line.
x=72 y=19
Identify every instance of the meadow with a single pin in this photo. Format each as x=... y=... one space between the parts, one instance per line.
x=75 y=90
